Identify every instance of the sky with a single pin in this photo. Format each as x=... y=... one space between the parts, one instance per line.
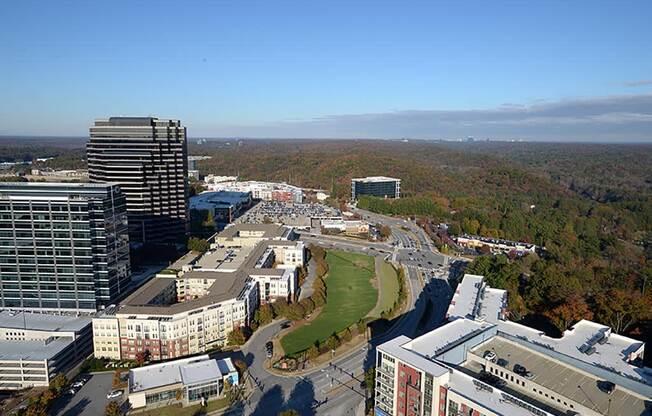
x=531 y=70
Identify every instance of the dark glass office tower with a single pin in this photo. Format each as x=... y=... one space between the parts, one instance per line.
x=62 y=246
x=147 y=157
x=379 y=186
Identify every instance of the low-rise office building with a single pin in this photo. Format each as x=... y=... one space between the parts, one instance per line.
x=496 y=245
x=481 y=364
x=265 y=191
x=36 y=347
x=225 y=206
x=378 y=186
x=187 y=381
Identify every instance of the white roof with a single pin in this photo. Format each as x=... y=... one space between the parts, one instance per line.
x=43 y=322
x=375 y=179
x=171 y=372
x=465 y=297
x=200 y=372
x=445 y=337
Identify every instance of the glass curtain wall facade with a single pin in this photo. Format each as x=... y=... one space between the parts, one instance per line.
x=148 y=158
x=62 y=246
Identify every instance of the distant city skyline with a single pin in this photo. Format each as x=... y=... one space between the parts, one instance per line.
x=548 y=70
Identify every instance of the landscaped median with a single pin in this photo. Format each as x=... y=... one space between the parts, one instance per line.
x=350 y=297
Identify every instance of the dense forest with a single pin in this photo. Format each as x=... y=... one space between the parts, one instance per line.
x=589 y=205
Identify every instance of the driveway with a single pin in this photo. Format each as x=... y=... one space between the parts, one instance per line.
x=90 y=400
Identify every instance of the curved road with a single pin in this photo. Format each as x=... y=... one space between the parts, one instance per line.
x=336 y=389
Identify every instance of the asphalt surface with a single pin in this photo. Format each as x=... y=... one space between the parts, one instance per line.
x=90 y=400
x=336 y=389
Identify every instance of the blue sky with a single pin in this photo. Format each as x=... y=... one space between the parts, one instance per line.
x=377 y=68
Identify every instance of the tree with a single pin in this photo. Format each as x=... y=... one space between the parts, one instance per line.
x=233 y=393
x=265 y=313
x=142 y=357
x=48 y=397
x=346 y=335
x=575 y=309
x=620 y=309
x=289 y=412
x=313 y=352
x=59 y=382
x=36 y=409
x=112 y=409
x=332 y=342
x=280 y=307
x=241 y=366
x=210 y=220
x=295 y=312
x=362 y=326
x=198 y=244
x=237 y=337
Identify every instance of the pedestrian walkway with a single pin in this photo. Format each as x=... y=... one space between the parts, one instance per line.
x=307 y=289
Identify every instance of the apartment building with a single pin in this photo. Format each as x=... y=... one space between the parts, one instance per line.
x=478 y=365
x=63 y=246
x=35 y=347
x=147 y=157
x=193 y=305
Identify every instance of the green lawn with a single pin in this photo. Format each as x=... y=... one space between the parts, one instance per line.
x=388 y=281
x=177 y=410
x=350 y=297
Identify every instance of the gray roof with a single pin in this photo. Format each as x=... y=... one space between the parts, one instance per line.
x=187 y=371
x=200 y=372
x=33 y=350
x=225 y=286
x=269 y=230
x=43 y=322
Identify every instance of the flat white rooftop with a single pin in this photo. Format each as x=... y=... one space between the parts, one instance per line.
x=43 y=322
x=185 y=371
x=375 y=179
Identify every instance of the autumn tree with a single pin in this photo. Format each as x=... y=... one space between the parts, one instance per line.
x=59 y=382
x=620 y=309
x=575 y=309
x=112 y=409
x=237 y=337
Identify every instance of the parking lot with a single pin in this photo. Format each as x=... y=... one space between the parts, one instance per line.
x=90 y=400
x=286 y=213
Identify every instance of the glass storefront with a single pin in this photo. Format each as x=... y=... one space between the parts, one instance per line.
x=206 y=390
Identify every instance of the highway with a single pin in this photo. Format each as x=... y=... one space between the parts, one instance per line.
x=336 y=389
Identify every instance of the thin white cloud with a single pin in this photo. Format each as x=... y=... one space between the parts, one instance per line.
x=611 y=118
x=638 y=83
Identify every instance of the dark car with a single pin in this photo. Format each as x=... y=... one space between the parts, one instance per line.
x=269 y=349
x=606 y=386
x=519 y=369
x=502 y=362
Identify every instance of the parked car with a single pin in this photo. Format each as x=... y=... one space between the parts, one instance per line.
x=113 y=394
x=519 y=369
x=489 y=355
x=269 y=349
x=502 y=362
x=606 y=386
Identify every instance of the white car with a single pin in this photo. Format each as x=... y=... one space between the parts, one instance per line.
x=113 y=394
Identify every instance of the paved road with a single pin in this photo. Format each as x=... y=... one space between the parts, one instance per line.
x=90 y=400
x=336 y=390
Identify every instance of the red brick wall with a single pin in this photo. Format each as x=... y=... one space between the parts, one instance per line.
x=408 y=393
x=442 y=400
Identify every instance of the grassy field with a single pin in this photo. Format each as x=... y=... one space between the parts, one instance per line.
x=350 y=297
x=177 y=410
x=388 y=281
